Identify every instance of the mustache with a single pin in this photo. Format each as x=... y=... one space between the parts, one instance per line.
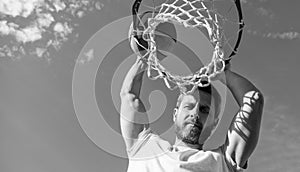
x=195 y=122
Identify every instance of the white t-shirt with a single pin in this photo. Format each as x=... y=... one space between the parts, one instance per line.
x=153 y=154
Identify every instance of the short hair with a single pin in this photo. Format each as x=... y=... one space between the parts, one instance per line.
x=210 y=90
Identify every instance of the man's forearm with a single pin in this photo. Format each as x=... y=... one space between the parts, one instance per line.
x=244 y=130
x=133 y=80
x=238 y=85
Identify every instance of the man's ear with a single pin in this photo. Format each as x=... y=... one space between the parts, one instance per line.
x=175 y=114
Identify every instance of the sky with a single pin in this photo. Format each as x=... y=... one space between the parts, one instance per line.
x=62 y=63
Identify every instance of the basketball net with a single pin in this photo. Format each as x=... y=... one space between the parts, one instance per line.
x=190 y=14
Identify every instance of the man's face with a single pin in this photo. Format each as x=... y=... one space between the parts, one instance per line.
x=191 y=115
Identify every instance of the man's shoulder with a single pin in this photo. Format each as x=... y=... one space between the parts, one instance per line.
x=148 y=143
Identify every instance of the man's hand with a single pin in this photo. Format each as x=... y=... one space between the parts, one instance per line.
x=140 y=46
x=137 y=43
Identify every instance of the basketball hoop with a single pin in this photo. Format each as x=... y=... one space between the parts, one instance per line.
x=190 y=14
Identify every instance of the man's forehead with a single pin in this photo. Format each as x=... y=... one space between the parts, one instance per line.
x=197 y=96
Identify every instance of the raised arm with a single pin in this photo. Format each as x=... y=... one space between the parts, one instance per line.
x=133 y=117
x=244 y=130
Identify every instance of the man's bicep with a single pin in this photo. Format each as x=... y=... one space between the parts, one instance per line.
x=133 y=119
x=244 y=130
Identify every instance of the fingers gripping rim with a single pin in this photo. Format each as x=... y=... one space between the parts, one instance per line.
x=135 y=9
x=137 y=42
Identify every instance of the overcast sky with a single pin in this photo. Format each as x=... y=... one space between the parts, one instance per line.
x=41 y=41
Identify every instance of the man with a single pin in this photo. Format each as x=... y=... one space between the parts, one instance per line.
x=194 y=118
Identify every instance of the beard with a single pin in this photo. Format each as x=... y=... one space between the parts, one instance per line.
x=188 y=134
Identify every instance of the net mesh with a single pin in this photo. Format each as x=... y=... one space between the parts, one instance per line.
x=190 y=14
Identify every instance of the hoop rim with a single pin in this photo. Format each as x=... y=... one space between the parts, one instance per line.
x=137 y=3
x=203 y=77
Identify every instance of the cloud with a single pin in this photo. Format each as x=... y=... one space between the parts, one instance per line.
x=24 y=8
x=99 y=5
x=40 y=51
x=62 y=29
x=19 y=7
x=265 y=12
x=288 y=35
x=44 y=20
x=6 y=29
x=28 y=34
x=244 y=1
x=88 y=57
x=58 y=4
x=41 y=21
x=258 y=7
x=283 y=35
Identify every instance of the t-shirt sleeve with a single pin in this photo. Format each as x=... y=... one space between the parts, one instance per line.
x=231 y=164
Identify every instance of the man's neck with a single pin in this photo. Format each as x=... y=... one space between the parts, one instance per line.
x=179 y=142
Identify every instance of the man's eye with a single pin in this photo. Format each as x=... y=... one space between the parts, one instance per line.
x=188 y=107
x=204 y=109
